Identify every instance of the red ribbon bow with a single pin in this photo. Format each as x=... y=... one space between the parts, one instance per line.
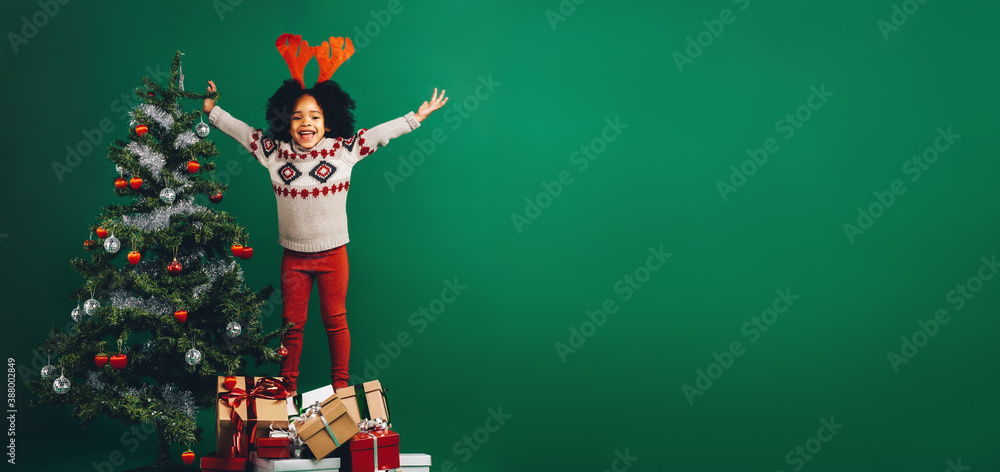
x=267 y=388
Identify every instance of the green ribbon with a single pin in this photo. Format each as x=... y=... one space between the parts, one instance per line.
x=328 y=430
x=359 y=392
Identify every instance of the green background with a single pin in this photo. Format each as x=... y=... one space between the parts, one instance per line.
x=655 y=185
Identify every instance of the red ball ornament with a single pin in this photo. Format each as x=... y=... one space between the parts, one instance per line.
x=188 y=457
x=237 y=249
x=282 y=351
x=229 y=382
x=102 y=233
x=152 y=95
x=101 y=360
x=134 y=257
x=121 y=183
x=193 y=166
x=174 y=267
x=136 y=182
x=181 y=315
x=89 y=244
x=141 y=130
x=216 y=198
x=247 y=253
x=119 y=361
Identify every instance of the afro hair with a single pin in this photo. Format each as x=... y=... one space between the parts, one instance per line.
x=336 y=104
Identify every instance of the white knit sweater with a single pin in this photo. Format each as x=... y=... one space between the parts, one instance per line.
x=310 y=185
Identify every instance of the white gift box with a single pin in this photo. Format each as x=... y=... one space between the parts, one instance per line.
x=407 y=463
x=261 y=464
x=415 y=462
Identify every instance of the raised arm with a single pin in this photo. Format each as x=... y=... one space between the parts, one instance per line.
x=368 y=140
x=243 y=133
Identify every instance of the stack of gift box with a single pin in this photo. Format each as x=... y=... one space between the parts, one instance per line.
x=344 y=430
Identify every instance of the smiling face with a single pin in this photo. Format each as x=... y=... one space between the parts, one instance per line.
x=307 y=126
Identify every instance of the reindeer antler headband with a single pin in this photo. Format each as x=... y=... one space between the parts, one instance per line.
x=297 y=54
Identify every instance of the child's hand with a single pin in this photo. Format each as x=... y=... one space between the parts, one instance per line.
x=435 y=103
x=209 y=103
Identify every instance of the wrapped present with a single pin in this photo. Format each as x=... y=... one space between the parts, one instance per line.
x=415 y=462
x=365 y=401
x=375 y=448
x=247 y=411
x=260 y=464
x=274 y=448
x=326 y=426
x=213 y=463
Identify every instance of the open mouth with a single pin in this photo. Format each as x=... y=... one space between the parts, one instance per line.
x=307 y=135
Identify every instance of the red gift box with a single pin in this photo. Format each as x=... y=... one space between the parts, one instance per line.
x=274 y=448
x=212 y=463
x=361 y=455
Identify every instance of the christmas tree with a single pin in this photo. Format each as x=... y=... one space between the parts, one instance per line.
x=155 y=327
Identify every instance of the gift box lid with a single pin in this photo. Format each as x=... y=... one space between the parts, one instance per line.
x=213 y=462
x=364 y=440
x=331 y=409
x=414 y=460
x=261 y=464
x=274 y=442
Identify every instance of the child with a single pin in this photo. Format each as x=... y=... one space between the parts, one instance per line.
x=309 y=157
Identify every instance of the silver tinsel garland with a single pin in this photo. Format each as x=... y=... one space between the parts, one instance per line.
x=185 y=139
x=157 y=306
x=95 y=381
x=161 y=116
x=191 y=256
x=182 y=400
x=159 y=219
x=214 y=269
x=148 y=158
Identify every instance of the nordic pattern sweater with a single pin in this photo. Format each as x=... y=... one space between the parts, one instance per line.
x=310 y=185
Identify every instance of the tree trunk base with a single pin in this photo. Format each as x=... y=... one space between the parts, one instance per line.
x=164 y=468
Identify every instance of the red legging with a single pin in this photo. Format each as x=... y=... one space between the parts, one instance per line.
x=329 y=269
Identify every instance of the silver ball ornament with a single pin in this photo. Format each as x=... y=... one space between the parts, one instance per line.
x=61 y=385
x=76 y=314
x=201 y=129
x=90 y=305
x=112 y=244
x=48 y=372
x=168 y=195
x=193 y=356
x=233 y=329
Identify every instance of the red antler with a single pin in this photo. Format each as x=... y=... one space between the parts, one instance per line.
x=297 y=57
x=330 y=59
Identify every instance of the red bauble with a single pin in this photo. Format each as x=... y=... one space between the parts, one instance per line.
x=153 y=95
x=247 y=253
x=181 y=315
x=216 y=198
x=119 y=361
x=230 y=382
x=121 y=183
x=101 y=360
x=193 y=166
x=136 y=182
x=283 y=351
x=89 y=244
x=174 y=267
x=134 y=257
x=188 y=457
x=141 y=130
x=102 y=233
x=237 y=249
